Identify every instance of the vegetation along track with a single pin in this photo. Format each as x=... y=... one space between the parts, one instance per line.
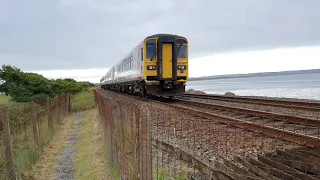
x=290 y=104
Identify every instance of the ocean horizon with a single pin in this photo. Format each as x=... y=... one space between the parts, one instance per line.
x=301 y=86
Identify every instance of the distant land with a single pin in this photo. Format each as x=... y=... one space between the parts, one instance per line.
x=227 y=76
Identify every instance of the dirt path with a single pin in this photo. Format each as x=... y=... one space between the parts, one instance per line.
x=76 y=151
x=65 y=163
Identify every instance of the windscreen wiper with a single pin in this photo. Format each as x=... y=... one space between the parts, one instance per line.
x=153 y=55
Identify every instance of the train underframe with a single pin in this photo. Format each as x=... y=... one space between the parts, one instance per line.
x=148 y=88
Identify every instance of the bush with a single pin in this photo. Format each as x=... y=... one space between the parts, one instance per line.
x=27 y=87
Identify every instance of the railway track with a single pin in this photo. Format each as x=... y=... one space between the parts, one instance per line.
x=300 y=130
x=298 y=105
x=203 y=126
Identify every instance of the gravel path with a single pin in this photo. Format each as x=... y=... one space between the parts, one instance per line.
x=65 y=163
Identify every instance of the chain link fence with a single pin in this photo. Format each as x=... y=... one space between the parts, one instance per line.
x=148 y=140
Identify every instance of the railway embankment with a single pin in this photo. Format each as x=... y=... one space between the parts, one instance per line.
x=205 y=139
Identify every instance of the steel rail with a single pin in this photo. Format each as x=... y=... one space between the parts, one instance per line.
x=266 y=130
x=309 y=106
x=269 y=131
x=275 y=116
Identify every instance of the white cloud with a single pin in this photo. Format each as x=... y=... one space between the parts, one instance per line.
x=281 y=59
x=93 y=75
x=228 y=63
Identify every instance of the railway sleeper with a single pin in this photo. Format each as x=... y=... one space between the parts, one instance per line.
x=186 y=157
x=305 y=165
x=229 y=171
x=254 y=169
x=315 y=153
x=240 y=170
x=286 y=170
x=298 y=165
x=269 y=169
x=255 y=119
x=308 y=157
x=241 y=116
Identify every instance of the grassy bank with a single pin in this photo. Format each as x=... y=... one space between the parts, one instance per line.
x=25 y=153
x=83 y=101
x=89 y=162
x=4 y=99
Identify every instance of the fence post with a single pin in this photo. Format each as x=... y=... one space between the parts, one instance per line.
x=7 y=144
x=34 y=124
x=59 y=108
x=50 y=125
x=69 y=102
x=145 y=146
x=65 y=107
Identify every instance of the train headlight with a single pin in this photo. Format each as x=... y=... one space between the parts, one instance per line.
x=182 y=67
x=152 y=67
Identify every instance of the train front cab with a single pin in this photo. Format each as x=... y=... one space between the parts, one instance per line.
x=165 y=65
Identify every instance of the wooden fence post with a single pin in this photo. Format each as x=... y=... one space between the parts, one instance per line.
x=7 y=144
x=34 y=124
x=50 y=123
x=59 y=108
x=69 y=102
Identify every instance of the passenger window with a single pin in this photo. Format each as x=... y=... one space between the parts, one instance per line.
x=151 y=48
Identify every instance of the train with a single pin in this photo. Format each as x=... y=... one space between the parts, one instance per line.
x=157 y=66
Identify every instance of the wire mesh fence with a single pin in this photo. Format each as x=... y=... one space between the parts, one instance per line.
x=25 y=129
x=147 y=140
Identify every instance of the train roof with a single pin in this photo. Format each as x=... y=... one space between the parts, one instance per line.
x=165 y=35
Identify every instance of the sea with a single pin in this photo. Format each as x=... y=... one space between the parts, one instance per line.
x=302 y=86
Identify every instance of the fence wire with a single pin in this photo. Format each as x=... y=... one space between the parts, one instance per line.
x=145 y=140
x=30 y=128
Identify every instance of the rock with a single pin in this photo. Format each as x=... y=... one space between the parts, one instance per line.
x=229 y=94
x=192 y=91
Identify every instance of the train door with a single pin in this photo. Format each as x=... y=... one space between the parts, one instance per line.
x=167 y=60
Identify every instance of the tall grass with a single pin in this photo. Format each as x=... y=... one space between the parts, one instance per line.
x=82 y=101
x=4 y=99
x=24 y=151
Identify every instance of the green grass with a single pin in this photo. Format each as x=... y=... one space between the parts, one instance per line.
x=165 y=175
x=82 y=101
x=25 y=153
x=4 y=99
x=84 y=166
x=88 y=164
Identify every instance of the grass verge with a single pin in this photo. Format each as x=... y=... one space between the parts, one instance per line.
x=44 y=168
x=89 y=160
x=82 y=101
x=4 y=99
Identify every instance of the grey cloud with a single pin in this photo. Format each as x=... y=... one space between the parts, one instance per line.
x=70 y=34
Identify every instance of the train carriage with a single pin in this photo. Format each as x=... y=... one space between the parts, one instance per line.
x=156 y=66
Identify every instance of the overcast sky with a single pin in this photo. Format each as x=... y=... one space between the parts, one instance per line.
x=80 y=34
